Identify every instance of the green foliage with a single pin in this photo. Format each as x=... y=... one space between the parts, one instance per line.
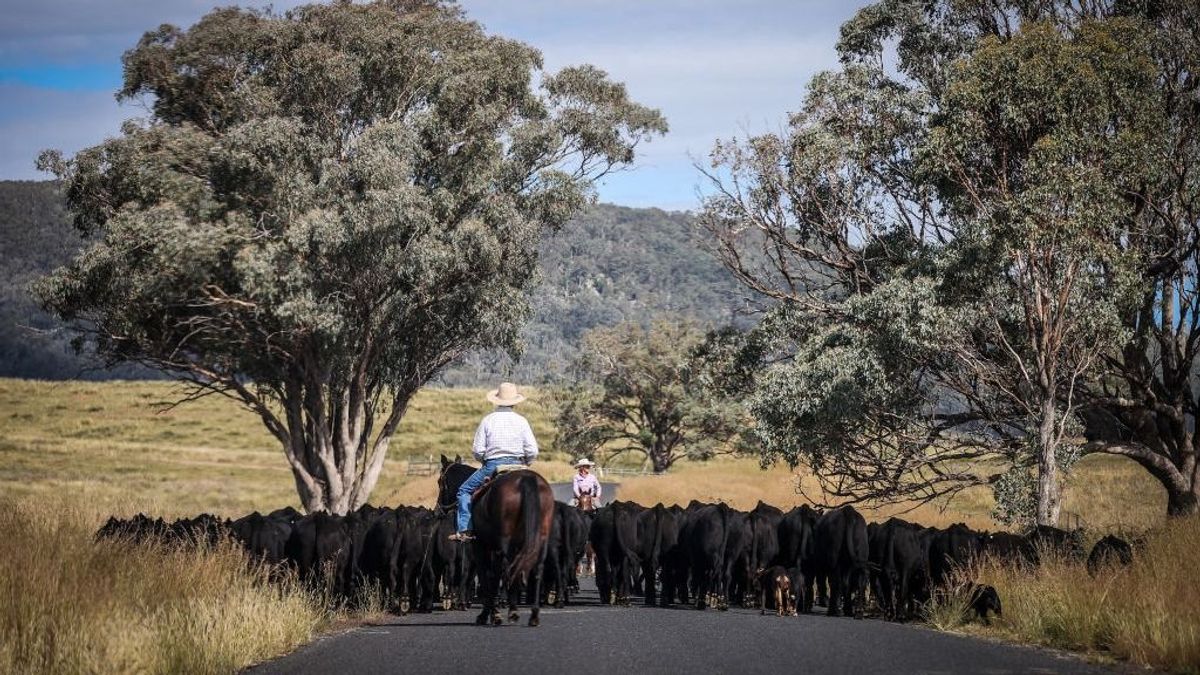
x=641 y=390
x=945 y=241
x=331 y=204
x=608 y=264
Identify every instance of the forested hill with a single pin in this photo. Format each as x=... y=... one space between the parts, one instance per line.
x=611 y=264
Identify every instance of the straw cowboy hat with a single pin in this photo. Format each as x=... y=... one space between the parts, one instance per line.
x=507 y=394
x=584 y=462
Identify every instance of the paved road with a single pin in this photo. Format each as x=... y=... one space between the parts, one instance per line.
x=591 y=638
x=563 y=493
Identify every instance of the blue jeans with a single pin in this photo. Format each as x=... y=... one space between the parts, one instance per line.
x=473 y=482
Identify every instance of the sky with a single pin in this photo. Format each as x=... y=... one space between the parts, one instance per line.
x=716 y=69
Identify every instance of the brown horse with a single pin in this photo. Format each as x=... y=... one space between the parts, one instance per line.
x=511 y=518
x=586 y=502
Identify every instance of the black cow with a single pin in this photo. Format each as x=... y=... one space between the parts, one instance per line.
x=900 y=568
x=675 y=559
x=319 y=547
x=416 y=527
x=796 y=548
x=982 y=600
x=203 y=530
x=1047 y=540
x=657 y=533
x=614 y=539
x=1110 y=551
x=577 y=524
x=447 y=567
x=375 y=550
x=138 y=529
x=842 y=557
x=559 y=561
x=1008 y=548
x=263 y=537
x=738 y=580
x=951 y=549
x=707 y=544
x=764 y=540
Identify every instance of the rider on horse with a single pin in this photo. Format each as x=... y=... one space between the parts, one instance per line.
x=585 y=484
x=503 y=437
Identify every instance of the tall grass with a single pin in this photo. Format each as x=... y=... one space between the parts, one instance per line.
x=71 y=605
x=1148 y=613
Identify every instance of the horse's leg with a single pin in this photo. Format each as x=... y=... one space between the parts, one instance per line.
x=513 y=592
x=485 y=598
x=536 y=611
x=489 y=582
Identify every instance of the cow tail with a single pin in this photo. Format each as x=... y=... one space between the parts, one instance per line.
x=531 y=548
x=657 y=549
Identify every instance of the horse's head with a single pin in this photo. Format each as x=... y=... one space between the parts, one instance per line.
x=587 y=502
x=453 y=474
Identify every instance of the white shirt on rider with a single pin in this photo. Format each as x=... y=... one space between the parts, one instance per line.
x=504 y=434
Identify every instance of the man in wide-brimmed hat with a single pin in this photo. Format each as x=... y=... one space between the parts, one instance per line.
x=585 y=482
x=503 y=437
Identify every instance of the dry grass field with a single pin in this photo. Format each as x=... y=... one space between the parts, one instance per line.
x=115 y=444
x=72 y=453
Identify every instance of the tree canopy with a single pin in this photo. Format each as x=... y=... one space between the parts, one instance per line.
x=949 y=231
x=325 y=208
x=644 y=390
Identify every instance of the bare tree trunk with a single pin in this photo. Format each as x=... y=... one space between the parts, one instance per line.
x=328 y=441
x=1049 y=496
x=312 y=498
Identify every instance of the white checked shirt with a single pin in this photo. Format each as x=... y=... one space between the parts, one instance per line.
x=504 y=433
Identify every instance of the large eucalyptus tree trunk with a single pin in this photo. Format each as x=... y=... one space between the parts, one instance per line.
x=326 y=434
x=1049 y=493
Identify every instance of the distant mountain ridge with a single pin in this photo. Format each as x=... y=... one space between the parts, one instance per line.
x=610 y=264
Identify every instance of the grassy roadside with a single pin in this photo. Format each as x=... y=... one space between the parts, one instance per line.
x=1148 y=613
x=68 y=605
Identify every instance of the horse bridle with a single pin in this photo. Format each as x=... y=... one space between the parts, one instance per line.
x=441 y=508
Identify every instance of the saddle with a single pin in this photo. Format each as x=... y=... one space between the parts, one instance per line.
x=500 y=471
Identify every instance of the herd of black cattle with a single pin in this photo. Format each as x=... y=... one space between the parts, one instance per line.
x=708 y=555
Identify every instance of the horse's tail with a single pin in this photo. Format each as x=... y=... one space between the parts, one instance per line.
x=531 y=547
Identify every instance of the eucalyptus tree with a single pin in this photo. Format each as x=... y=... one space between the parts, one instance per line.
x=646 y=391
x=942 y=230
x=1144 y=403
x=327 y=206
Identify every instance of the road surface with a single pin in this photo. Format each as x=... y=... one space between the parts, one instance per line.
x=563 y=493
x=592 y=638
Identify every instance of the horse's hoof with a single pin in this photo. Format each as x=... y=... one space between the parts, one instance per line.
x=445 y=604
x=497 y=621
x=481 y=620
x=513 y=617
x=551 y=598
